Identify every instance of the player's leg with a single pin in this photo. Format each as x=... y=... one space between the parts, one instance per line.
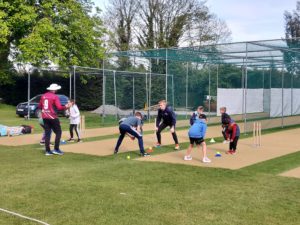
x=161 y=127
x=231 y=145
x=42 y=141
x=120 y=139
x=175 y=138
x=77 y=132
x=234 y=144
x=57 y=130
x=174 y=135
x=204 y=150
x=139 y=136
x=189 y=150
x=71 y=127
x=47 y=125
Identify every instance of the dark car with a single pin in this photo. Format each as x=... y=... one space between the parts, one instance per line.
x=22 y=108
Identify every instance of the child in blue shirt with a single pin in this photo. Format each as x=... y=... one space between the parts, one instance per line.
x=197 y=134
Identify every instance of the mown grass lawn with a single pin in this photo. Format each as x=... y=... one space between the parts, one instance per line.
x=82 y=189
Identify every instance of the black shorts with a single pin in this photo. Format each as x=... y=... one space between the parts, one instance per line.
x=196 y=141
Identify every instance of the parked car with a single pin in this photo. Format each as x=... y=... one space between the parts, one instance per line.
x=22 y=108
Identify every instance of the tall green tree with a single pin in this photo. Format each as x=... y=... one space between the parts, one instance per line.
x=40 y=32
x=292 y=34
x=148 y=24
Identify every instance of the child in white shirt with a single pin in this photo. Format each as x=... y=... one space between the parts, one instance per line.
x=74 y=116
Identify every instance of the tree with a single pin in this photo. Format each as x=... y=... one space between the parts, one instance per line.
x=292 y=34
x=120 y=16
x=53 y=31
x=148 y=24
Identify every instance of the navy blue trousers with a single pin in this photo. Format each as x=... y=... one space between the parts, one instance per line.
x=127 y=129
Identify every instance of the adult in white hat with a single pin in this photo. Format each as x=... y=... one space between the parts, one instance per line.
x=50 y=118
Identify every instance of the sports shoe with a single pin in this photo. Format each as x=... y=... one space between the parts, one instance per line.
x=229 y=152
x=233 y=152
x=206 y=160
x=177 y=147
x=70 y=140
x=187 y=158
x=79 y=141
x=145 y=154
x=48 y=153
x=157 y=145
x=58 y=152
x=115 y=152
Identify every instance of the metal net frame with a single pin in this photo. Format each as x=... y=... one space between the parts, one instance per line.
x=264 y=64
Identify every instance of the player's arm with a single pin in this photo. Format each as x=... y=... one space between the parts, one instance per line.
x=192 y=119
x=173 y=117
x=58 y=105
x=204 y=130
x=139 y=126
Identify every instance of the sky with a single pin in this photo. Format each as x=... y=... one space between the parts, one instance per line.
x=248 y=20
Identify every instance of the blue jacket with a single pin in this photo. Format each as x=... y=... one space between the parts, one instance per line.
x=168 y=116
x=198 y=129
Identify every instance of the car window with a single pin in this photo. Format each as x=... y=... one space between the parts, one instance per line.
x=36 y=99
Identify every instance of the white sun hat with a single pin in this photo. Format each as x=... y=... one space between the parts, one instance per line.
x=54 y=87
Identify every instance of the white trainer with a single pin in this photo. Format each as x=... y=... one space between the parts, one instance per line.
x=188 y=158
x=206 y=160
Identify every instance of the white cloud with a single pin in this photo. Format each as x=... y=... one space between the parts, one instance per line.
x=253 y=20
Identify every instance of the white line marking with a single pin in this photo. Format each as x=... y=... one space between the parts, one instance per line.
x=25 y=217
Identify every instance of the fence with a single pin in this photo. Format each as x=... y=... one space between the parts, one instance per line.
x=255 y=80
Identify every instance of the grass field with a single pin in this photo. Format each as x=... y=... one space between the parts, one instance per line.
x=81 y=189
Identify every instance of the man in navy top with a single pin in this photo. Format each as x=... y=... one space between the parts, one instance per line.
x=166 y=118
x=132 y=126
